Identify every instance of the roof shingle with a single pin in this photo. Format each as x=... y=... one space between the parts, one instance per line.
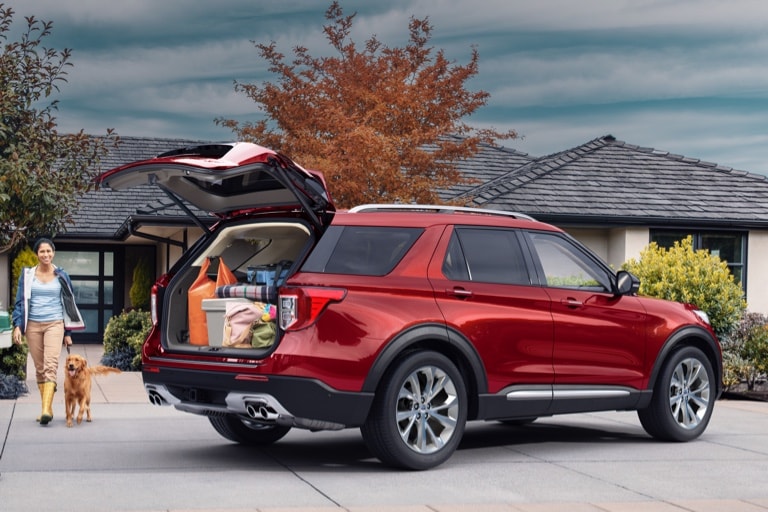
x=602 y=182
x=606 y=178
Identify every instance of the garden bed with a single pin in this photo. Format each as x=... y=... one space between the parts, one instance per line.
x=759 y=393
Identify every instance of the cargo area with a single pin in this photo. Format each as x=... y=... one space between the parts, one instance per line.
x=229 y=291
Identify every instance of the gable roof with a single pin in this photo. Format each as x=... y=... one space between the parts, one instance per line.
x=489 y=163
x=605 y=182
x=609 y=182
x=112 y=214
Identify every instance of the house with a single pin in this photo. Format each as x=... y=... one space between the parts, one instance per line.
x=617 y=197
x=613 y=196
x=111 y=233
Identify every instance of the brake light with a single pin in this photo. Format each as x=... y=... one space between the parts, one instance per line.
x=301 y=307
x=160 y=284
x=153 y=304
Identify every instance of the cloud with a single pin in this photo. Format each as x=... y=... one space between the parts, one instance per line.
x=684 y=76
x=472 y=17
x=737 y=141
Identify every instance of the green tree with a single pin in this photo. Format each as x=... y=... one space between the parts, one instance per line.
x=379 y=122
x=696 y=277
x=42 y=172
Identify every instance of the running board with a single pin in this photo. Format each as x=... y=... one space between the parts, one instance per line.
x=548 y=393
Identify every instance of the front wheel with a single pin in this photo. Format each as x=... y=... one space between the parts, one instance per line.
x=683 y=397
x=247 y=432
x=419 y=413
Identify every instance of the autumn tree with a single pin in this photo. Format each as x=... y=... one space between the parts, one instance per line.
x=42 y=172
x=383 y=124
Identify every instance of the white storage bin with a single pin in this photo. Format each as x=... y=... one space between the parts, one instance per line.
x=214 y=315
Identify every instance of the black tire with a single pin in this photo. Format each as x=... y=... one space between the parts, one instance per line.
x=418 y=416
x=683 y=397
x=247 y=432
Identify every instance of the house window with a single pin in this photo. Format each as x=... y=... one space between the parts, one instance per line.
x=101 y=278
x=92 y=274
x=729 y=246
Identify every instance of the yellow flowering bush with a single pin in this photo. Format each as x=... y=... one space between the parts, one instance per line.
x=697 y=277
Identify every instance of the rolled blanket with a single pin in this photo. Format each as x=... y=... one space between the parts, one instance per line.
x=248 y=291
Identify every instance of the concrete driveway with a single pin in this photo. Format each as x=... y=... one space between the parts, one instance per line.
x=138 y=457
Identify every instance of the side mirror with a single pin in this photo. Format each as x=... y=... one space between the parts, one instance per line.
x=626 y=283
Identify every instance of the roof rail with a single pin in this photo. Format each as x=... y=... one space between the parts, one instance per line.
x=435 y=208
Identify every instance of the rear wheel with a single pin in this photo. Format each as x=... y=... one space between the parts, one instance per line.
x=683 y=397
x=418 y=415
x=247 y=432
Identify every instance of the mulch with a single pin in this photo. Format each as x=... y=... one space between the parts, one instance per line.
x=756 y=396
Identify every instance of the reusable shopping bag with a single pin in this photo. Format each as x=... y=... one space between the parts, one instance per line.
x=204 y=288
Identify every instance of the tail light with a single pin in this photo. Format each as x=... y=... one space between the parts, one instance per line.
x=300 y=307
x=155 y=297
x=153 y=304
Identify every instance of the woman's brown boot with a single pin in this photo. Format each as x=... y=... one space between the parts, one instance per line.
x=49 y=388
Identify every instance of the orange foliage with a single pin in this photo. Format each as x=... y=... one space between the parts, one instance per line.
x=383 y=124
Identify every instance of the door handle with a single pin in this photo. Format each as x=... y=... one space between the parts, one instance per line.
x=459 y=292
x=570 y=302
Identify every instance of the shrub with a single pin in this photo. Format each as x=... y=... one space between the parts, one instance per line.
x=13 y=360
x=745 y=352
x=12 y=387
x=25 y=258
x=696 y=277
x=141 y=286
x=123 y=338
x=13 y=371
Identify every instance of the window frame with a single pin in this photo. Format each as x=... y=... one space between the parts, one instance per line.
x=698 y=236
x=329 y=257
x=593 y=262
x=456 y=248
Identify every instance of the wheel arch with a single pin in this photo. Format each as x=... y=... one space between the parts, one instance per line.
x=690 y=336
x=440 y=339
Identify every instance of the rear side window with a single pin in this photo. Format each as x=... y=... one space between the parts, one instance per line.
x=486 y=255
x=361 y=250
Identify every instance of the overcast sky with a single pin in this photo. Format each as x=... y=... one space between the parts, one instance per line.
x=684 y=76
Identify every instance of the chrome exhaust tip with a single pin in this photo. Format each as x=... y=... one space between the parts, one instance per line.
x=156 y=398
x=260 y=411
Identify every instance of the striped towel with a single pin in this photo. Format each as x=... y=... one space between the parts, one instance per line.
x=248 y=291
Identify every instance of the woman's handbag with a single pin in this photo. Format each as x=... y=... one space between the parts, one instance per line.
x=204 y=288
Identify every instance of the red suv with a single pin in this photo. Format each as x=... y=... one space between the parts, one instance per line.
x=404 y=321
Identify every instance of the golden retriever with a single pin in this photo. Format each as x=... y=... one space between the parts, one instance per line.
x=77 y=386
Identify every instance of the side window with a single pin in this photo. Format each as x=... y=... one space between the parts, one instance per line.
x=566 y=265
x=485 y=255
x=361 y=250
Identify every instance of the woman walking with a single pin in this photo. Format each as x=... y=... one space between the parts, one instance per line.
x=45 y=312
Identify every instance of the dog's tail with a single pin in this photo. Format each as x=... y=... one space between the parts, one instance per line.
x=101 y=370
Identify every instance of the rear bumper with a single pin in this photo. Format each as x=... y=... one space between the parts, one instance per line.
x=290 y=401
